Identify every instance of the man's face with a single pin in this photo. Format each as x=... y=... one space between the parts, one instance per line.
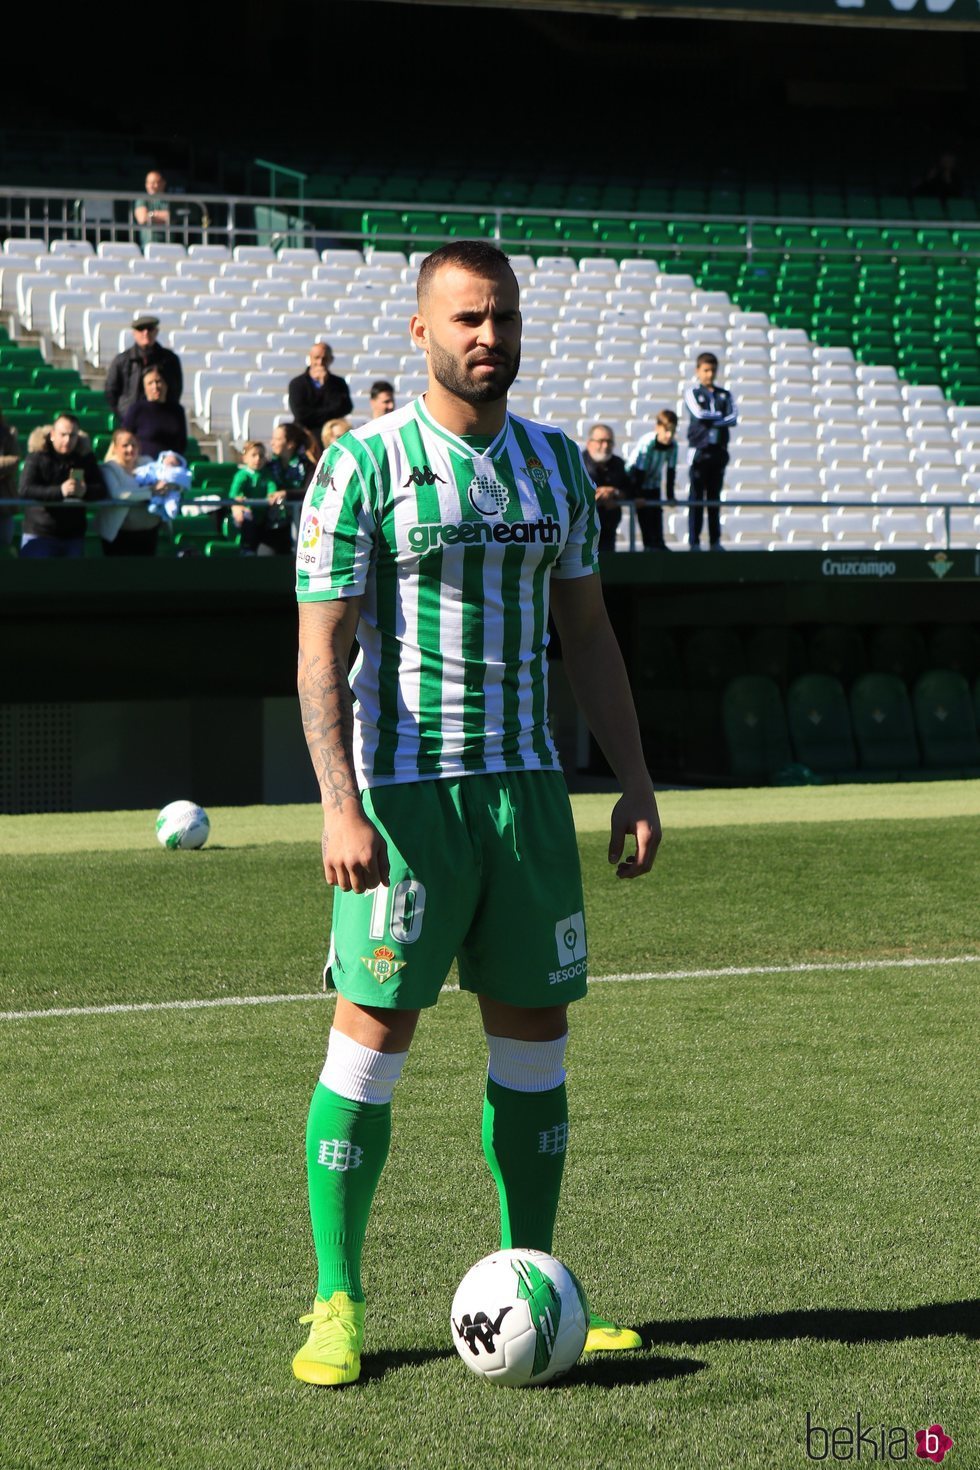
x=155 y=183
x=706 y=373
x=469 y=327
x=381 y=404
x=321 y=357
x=145 y=336
x=600 y=444
x=64 y=436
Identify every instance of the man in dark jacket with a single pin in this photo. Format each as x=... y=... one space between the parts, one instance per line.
x=318 y=394
x=712 y=413
x=124 y=380
x=61 y=474
x=608 y=473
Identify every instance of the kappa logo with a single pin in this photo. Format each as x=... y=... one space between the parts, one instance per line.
x=423 y=476
x=479 y=1330
x=382 y=964
x=488 y=496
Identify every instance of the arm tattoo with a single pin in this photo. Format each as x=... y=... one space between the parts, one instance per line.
x=328 y=722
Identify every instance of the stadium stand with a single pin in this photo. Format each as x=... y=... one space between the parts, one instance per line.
x=871 y=454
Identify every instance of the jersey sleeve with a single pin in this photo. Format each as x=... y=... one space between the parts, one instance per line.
x=337 y=529
x=580 y=555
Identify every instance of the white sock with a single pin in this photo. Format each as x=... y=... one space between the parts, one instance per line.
x=527 y=1066
x=359 y=1073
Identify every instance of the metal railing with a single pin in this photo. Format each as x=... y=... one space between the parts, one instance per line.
x=231 y=219
x=202 y=503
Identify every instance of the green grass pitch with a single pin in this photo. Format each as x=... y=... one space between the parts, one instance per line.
x=772 y=1172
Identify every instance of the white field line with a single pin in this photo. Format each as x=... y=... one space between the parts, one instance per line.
x=835 y=966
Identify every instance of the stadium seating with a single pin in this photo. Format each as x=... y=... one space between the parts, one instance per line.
x=820 y=423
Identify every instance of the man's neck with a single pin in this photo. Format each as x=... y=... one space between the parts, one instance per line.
x=462 y=418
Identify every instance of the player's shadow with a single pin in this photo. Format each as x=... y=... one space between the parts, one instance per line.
x=379 y=1365
x=617 y=1370
x=936 y=1319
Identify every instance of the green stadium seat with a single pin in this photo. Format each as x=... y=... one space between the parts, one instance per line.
x=956 y=647
x=221 y=549
x=777 y=653
x=207 y=475
x=897 y=650
x=755 y=728
x=839 y=651
x=820 y=726
x=881 y=715
x=946 y=722
x=713 y=657
x=21 y=357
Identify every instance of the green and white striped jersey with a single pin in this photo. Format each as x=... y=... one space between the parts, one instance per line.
x=451 y=549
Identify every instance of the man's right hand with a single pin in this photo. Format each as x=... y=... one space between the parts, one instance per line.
x=355 y=855
x=70 y=487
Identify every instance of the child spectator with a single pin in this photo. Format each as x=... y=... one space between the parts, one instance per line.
x=168 y=476
x=333 y=429
x=713 y=413
x=652 y=467
x=254 y=481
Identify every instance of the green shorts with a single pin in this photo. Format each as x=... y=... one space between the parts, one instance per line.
x=484 y=870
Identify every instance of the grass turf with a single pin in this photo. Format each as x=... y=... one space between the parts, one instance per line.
x=770 y=1173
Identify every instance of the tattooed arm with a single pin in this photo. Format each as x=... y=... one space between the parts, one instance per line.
x=354 y=852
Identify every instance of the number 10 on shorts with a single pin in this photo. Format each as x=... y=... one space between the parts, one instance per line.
x=406 y=902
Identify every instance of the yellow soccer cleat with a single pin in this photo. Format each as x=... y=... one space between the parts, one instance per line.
x=331 y=1354
x=606 y=1337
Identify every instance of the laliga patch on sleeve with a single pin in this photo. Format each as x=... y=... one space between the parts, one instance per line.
x=310 y=539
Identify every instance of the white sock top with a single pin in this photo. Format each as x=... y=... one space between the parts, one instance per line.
x=359 y=1073
x=527 y=1066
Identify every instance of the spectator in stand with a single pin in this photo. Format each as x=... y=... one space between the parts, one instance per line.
x=712 y=413
x=652 y=469
x=318 y=394
x=152 y=211
x=9 y=459
x=265 y=530
x=62 y=473
x=291 y=464
x=382 y=398
x=608 y=473
x=124 y=380
x=128 y=527
x=158 y=424
x=333 y=429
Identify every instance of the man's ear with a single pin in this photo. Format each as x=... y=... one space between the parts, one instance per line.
x=419 y=332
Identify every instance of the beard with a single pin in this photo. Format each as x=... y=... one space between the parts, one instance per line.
x=453 y=374
x=600 y=456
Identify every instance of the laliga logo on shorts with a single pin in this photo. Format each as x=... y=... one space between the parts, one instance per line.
x=488 y=496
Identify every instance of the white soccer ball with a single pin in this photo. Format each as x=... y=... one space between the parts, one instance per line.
x=519 y=1318
x=183 y=824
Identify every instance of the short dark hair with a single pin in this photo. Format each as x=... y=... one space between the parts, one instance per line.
x=668 y=417
x=706 y=357
x=381 y=386
x=66 y=413
x=481 y=257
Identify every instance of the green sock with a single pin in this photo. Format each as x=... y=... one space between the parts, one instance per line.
x=525 y=1135
x=346 y=1147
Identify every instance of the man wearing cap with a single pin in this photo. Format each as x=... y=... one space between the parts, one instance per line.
x=124 y=380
